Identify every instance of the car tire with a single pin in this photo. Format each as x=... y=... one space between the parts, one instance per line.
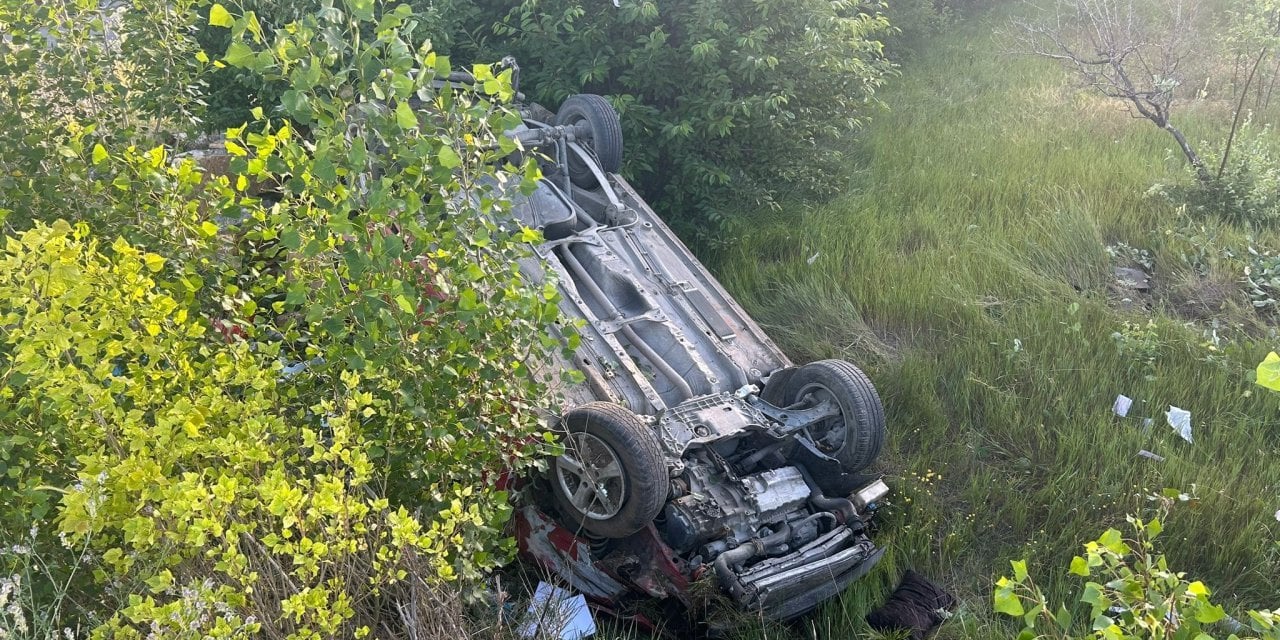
x=612 y=445
x=606 y=136
x=854 y=438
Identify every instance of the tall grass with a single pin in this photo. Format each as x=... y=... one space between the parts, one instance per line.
x=967 y=271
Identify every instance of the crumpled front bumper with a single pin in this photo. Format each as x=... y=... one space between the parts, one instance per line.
x=787 y=586
x=781 y=587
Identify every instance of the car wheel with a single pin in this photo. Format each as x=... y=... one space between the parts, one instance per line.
x=612 y=479
x=606 y=136
x=854 y=437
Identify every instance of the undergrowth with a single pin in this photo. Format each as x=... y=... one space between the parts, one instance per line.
x=970 y=270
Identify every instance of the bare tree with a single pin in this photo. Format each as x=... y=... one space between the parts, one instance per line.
x=1131 y=50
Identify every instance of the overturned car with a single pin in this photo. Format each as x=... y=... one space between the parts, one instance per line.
x=692 y=446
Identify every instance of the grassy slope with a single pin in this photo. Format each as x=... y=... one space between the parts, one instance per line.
x=979 y=220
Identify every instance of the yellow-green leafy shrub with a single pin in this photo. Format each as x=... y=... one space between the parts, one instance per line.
x=274 y=399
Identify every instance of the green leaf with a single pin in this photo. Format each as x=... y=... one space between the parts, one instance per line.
x=99 y=154
x=296 y=102
x=210 y=229
x=1063 y=618
x=404 y=304
x=361 y=9
x=160 y=581
x=1154 y=528
x=405 y=117
x=219 y=17
x=1029 y=618
x=1112 y=540
x=448 y=157
x=1008 y=603
x=1102 y=622
x=467 y=300
x=1269 y=372
x=291 y=239
x=1210 y=614
x=153 y=262
x=1019 y=570
x=1079 y=566
x=442 y=66
x=238 y=54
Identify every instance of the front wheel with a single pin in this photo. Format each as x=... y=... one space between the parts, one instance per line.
x=612 y=479
x=854 y=437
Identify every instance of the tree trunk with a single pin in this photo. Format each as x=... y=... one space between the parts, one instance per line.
x=1202 y=173
x=1235 y=122
x=1275 y=75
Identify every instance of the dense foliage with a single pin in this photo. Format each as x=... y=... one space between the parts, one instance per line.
x=725 y=103
x=71 y=69
x=272 y=398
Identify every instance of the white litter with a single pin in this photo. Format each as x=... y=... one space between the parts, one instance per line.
x=813 y=257
x=556 y=613
x=1147 y=454
x=1180 y=420
x=1121 y=406
x=1278 y=515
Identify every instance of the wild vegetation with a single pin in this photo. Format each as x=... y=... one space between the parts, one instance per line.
x=706 y=89
x=970 y=269
x=271 y=403
x=269 y=400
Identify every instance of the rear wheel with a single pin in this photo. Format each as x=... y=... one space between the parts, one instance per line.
x=856 y=435
x=605 y=137
x=612 y=479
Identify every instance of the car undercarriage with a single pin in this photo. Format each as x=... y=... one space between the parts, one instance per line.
x=692 y=447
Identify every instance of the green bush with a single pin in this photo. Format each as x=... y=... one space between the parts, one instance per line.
x=725 y=103
x=1248 y=191
x=72 y=68
x=361 y=237
x=231 y=93
x=1131 y=594
x=913 y=22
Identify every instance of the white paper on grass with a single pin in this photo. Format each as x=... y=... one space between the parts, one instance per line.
x=1121 y=406
x=1180 y=420
x=556 y=613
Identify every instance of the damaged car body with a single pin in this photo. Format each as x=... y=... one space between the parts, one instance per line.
x=692 y=447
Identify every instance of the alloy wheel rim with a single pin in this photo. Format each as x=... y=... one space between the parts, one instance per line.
x=591 y=476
